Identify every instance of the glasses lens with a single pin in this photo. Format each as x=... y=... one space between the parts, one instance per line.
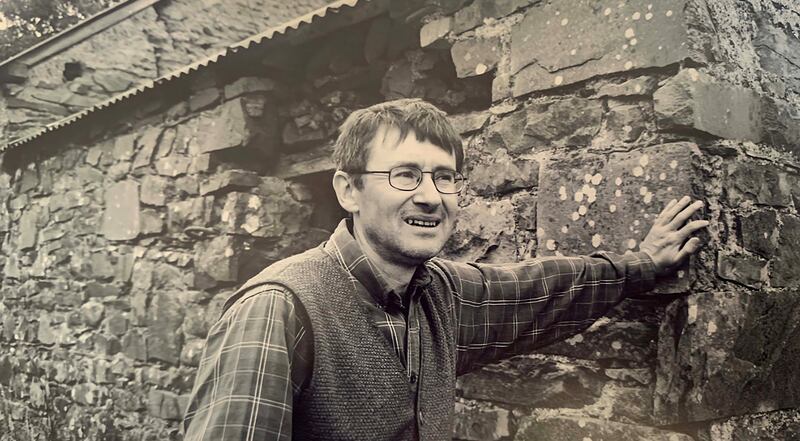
x=405 y=178
x=448 y=181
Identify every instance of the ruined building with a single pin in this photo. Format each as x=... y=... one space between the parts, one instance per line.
x=159 y=154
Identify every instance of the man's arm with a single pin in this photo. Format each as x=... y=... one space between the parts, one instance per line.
x=255 y=361
x=502 y=310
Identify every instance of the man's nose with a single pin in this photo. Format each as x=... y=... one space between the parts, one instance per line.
x=426 y=193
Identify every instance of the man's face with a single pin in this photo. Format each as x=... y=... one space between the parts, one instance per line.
x=385 y=216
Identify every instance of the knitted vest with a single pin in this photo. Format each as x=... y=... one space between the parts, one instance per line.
x=359 y=389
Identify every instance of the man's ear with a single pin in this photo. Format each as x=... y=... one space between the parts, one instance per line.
x=346 y=191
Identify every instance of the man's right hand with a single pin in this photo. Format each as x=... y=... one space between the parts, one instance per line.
x=667 y=243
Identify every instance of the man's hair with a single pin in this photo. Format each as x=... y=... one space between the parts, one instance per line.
x=409 y=115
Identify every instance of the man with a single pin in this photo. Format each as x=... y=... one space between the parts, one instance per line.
x=363 y=336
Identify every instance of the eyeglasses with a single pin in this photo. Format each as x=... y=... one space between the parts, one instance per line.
x=408 y=178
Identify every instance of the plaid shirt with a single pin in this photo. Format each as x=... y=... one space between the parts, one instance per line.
x=260 y=353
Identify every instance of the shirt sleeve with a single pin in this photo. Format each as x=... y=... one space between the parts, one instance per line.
x=502 y=310
x=256 y=360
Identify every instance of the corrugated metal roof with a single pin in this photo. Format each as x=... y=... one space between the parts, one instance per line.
x=317 y=16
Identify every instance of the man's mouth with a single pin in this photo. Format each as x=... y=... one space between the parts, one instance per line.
x=422 y=223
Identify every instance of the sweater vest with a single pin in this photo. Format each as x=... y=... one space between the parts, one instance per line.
x=359 y=388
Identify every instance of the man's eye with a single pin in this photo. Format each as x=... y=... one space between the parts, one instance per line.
x=405 y=174
x=445 y=177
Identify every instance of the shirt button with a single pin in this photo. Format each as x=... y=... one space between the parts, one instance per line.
x=413 y=378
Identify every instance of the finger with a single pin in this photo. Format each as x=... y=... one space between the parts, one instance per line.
x=686 y=213
x=662 y=217
x=691 y=227
x=690 y=247
x=674 y=209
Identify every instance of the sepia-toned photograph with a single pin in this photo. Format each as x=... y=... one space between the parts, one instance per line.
x=400 y=220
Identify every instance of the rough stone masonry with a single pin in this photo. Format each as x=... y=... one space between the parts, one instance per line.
x=123 y=233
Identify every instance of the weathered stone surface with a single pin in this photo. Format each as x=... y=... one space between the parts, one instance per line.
x=475 y=56
x=759 y=232
x=747 y=182
x=121 y=214
x=589 y=203
x=219 y=258
x=238 y=179
x=503 y=175
x=192 y=350
x=748 y=271
x=642 y=37
x=477 y=422
x=469 y=122
x=203 y=98
x=151 y=222
x=94 y=289
x=533 y=381
x=134 y=344
x=575 y=428
x=166 y=315
x=783 y=424
x=249 y=85
x=726 y=354
x=778 y=53
x=784 y=267
x=124 y=147
x=626 y=122
x=164 y=405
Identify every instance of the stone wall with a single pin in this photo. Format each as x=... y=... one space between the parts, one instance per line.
x=151 y=43
x=122 y=236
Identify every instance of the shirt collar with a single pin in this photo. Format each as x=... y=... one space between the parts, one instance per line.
x=343 y=246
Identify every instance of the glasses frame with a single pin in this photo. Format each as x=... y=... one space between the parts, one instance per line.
x=459 y=177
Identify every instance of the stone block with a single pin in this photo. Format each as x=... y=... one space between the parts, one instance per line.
x=166 y=315
x=556 y=45
x=626 y=122
x=693 y=99
x=151 y=222
x=434 y=31
x=748 y=271
x=752 y=183
x=164 y=405
x=475 y=56
x=146 y=146
x=643 y=85
x=581 y=428
x=121 y=211
x=98 y=290
x=29 y=227
x=173 y=165
x=204 y=98
x=481 y=226
x=194 y=212
x=246 y=85
x=474 y=14
x=192 y=351
x=784 y=267
x=124 y=147
x=591 y=202
x=230 y=179
x=503 y=175
x=478 y=422
x=263 y=216
x=134 y=344
x=219 y=258
x=612 y=340
x=231 y=125
x=759 y=232
x=778 y=53
x=726 y=354
x=533 y=381
x=155 y=190
x=469 y=122
x=92 y=313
